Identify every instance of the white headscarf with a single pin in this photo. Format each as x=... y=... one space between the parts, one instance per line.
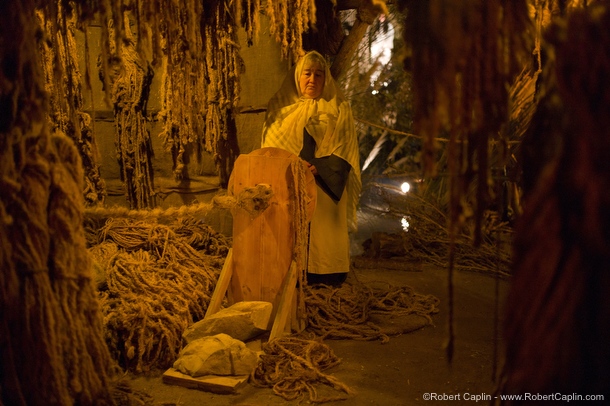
x=328 y=119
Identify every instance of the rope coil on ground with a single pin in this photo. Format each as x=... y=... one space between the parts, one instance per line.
x=293 y=366
x=345 y=312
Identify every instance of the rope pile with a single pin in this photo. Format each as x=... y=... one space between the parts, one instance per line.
x=156 y=280
x=293 y=366
x=345 y=312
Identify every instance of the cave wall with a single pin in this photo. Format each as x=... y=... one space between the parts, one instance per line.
x=264 y=71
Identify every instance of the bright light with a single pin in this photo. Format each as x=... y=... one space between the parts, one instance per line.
x=381 y=50
x=405 y=187
x=375 y=91
x=405 y=224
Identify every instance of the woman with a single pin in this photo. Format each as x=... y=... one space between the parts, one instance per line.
x=310 y=118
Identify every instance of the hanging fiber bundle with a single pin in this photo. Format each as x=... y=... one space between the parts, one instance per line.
x=558 y=311
x=64 y=85
x=50 y=323
x=464 y=55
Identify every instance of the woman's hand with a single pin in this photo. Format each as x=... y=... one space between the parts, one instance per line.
x=312 y=168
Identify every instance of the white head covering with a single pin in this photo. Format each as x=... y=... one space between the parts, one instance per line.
x=328 y=119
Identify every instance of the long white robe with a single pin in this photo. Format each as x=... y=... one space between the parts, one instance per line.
x=328 y=119
x=328 y=236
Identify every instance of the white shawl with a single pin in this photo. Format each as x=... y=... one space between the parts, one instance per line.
x=328 y=119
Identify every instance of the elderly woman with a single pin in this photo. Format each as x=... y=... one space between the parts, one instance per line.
x=310 y=118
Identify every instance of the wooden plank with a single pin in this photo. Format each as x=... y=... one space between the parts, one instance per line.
x=221 y=286
x=225 y=385
x=235 y=294
x=285 y=303
x=298 y=321
x=263 y=245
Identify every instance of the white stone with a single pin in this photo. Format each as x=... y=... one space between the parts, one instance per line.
x=216 y=355
x=242 y=321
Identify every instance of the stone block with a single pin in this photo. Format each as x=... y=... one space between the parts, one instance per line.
x=216 y=355
x=242 y=321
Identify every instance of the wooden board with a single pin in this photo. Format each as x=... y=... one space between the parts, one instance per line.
x=221 y=286
x=263 y=245
x=210 y=383
x=283 y=313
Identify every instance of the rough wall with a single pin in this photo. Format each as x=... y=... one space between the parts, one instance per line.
x=263 y=74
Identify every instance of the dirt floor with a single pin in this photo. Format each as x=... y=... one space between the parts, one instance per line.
x=408 y=368
x=402 y=371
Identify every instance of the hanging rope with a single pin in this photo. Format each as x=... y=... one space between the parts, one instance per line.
x=561 y=241
x=198 y=51
x=50 y=325
x=288 y=20
x=464 y=56
x=301 y=229
x=130 y=85
x=63 y=83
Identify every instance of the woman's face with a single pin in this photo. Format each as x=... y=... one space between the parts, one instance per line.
x=311 y=81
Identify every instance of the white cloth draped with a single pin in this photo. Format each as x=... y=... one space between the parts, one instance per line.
x=327 y=119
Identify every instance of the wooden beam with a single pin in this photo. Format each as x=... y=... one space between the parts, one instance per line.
x=286 y=303
x=224 y=385
x=221 y=286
